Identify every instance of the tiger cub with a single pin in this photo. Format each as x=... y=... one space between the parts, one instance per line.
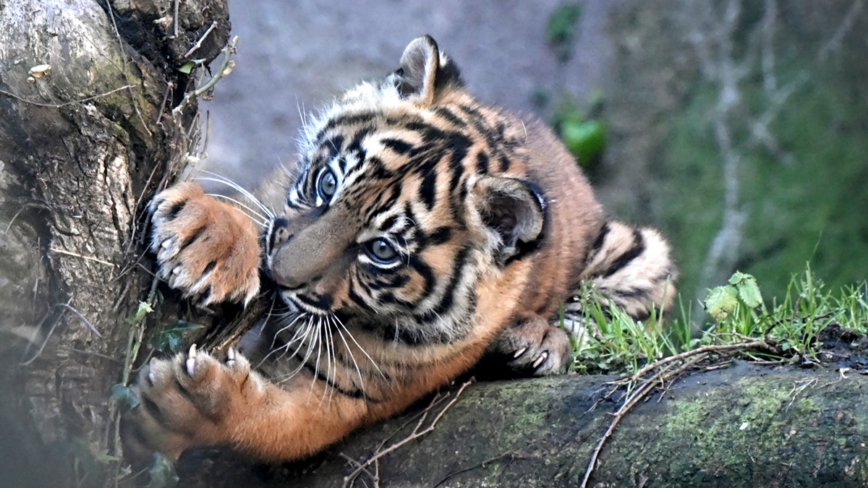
x=425 y=229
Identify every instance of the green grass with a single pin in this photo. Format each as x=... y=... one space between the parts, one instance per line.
x=737 y=313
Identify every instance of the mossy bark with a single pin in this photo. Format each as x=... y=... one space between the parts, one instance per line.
x=86 y=90
x=742 y=426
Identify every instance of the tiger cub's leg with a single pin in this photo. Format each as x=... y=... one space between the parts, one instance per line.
x=628 y=268
x=195 y=399
x=530 y=346
x=205 y=248
x=632 y=269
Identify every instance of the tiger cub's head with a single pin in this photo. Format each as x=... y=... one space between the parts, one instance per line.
x=406 y=198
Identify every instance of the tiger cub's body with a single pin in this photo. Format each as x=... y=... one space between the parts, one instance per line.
x=424 y=230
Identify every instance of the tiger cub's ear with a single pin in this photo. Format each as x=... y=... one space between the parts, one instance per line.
x=425 y=72
x=515 y=211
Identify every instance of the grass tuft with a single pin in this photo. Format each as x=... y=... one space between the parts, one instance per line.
x=737 y=313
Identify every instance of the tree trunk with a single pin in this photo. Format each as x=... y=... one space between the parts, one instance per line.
x=742 y=426
x=86 y=135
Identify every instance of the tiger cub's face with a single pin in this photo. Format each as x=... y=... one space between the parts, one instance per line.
x=395 y=216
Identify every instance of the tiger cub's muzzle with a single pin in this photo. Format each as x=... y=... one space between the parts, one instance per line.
x=307 y=250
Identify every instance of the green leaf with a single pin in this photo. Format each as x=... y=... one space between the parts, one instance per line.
x=124 y=396
x=104 y=457
x=721 y=302
x=124 y=472
x=187 y=67
x=140 y=312
x=162 y=472
x=561 y=27
x=171 y=339
x=748 y=290
x=586 y=140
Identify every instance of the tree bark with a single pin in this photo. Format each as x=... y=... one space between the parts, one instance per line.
x=86 y=135
x=742 y=426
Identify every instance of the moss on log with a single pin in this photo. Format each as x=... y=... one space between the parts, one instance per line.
x=741 y=426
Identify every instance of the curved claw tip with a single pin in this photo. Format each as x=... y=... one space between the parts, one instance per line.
x=191 y=366
x=230 y=357
x=191 y=360
x=541 y=359
x=519 y=352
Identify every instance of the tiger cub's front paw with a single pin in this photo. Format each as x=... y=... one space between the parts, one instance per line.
x=205 y=248
x=532 y=347
x=186 y=401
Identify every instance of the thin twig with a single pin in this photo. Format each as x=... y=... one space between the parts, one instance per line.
x=9 y=226
x=477 y=465
x=75 y=255
x=759 y=343
x=200 y=41
x=661 y=377
x=137 y=332
x=224 y=70
x=629 y=402
x=64 y=104
x=843 y=29
x=80 y=316
x=36 y=329
x=47 y=336
x=125 y=69
x=358 y=465
x=169 y=87
x=415 y=434
x=89 y=353
x=175 y=22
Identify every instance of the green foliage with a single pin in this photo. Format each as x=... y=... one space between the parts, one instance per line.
x=582 y=133
x=614 y=341
x=561 y=29
x=739 y=313
x=189 y=66
x=162 y=473
x=87 y=458
x=803 y=203
x=124 y=397
x=139 y=313
x=171 y=339
x=796 y=321
x=585 y=139
x=747 y=288
x=722 y=302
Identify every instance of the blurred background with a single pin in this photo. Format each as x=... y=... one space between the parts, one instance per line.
x=738 y=127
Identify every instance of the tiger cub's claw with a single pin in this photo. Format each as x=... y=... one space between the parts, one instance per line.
x=187 y=400
x=532 y=347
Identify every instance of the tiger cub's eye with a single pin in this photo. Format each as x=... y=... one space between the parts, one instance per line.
x=381 y=251
x=327 y=184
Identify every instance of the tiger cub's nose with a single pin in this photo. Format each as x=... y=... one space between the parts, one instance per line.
x=278 y=233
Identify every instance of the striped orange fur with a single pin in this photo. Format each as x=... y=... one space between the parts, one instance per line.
x=424 y=230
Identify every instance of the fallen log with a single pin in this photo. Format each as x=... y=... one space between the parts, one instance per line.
x=740 y=426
